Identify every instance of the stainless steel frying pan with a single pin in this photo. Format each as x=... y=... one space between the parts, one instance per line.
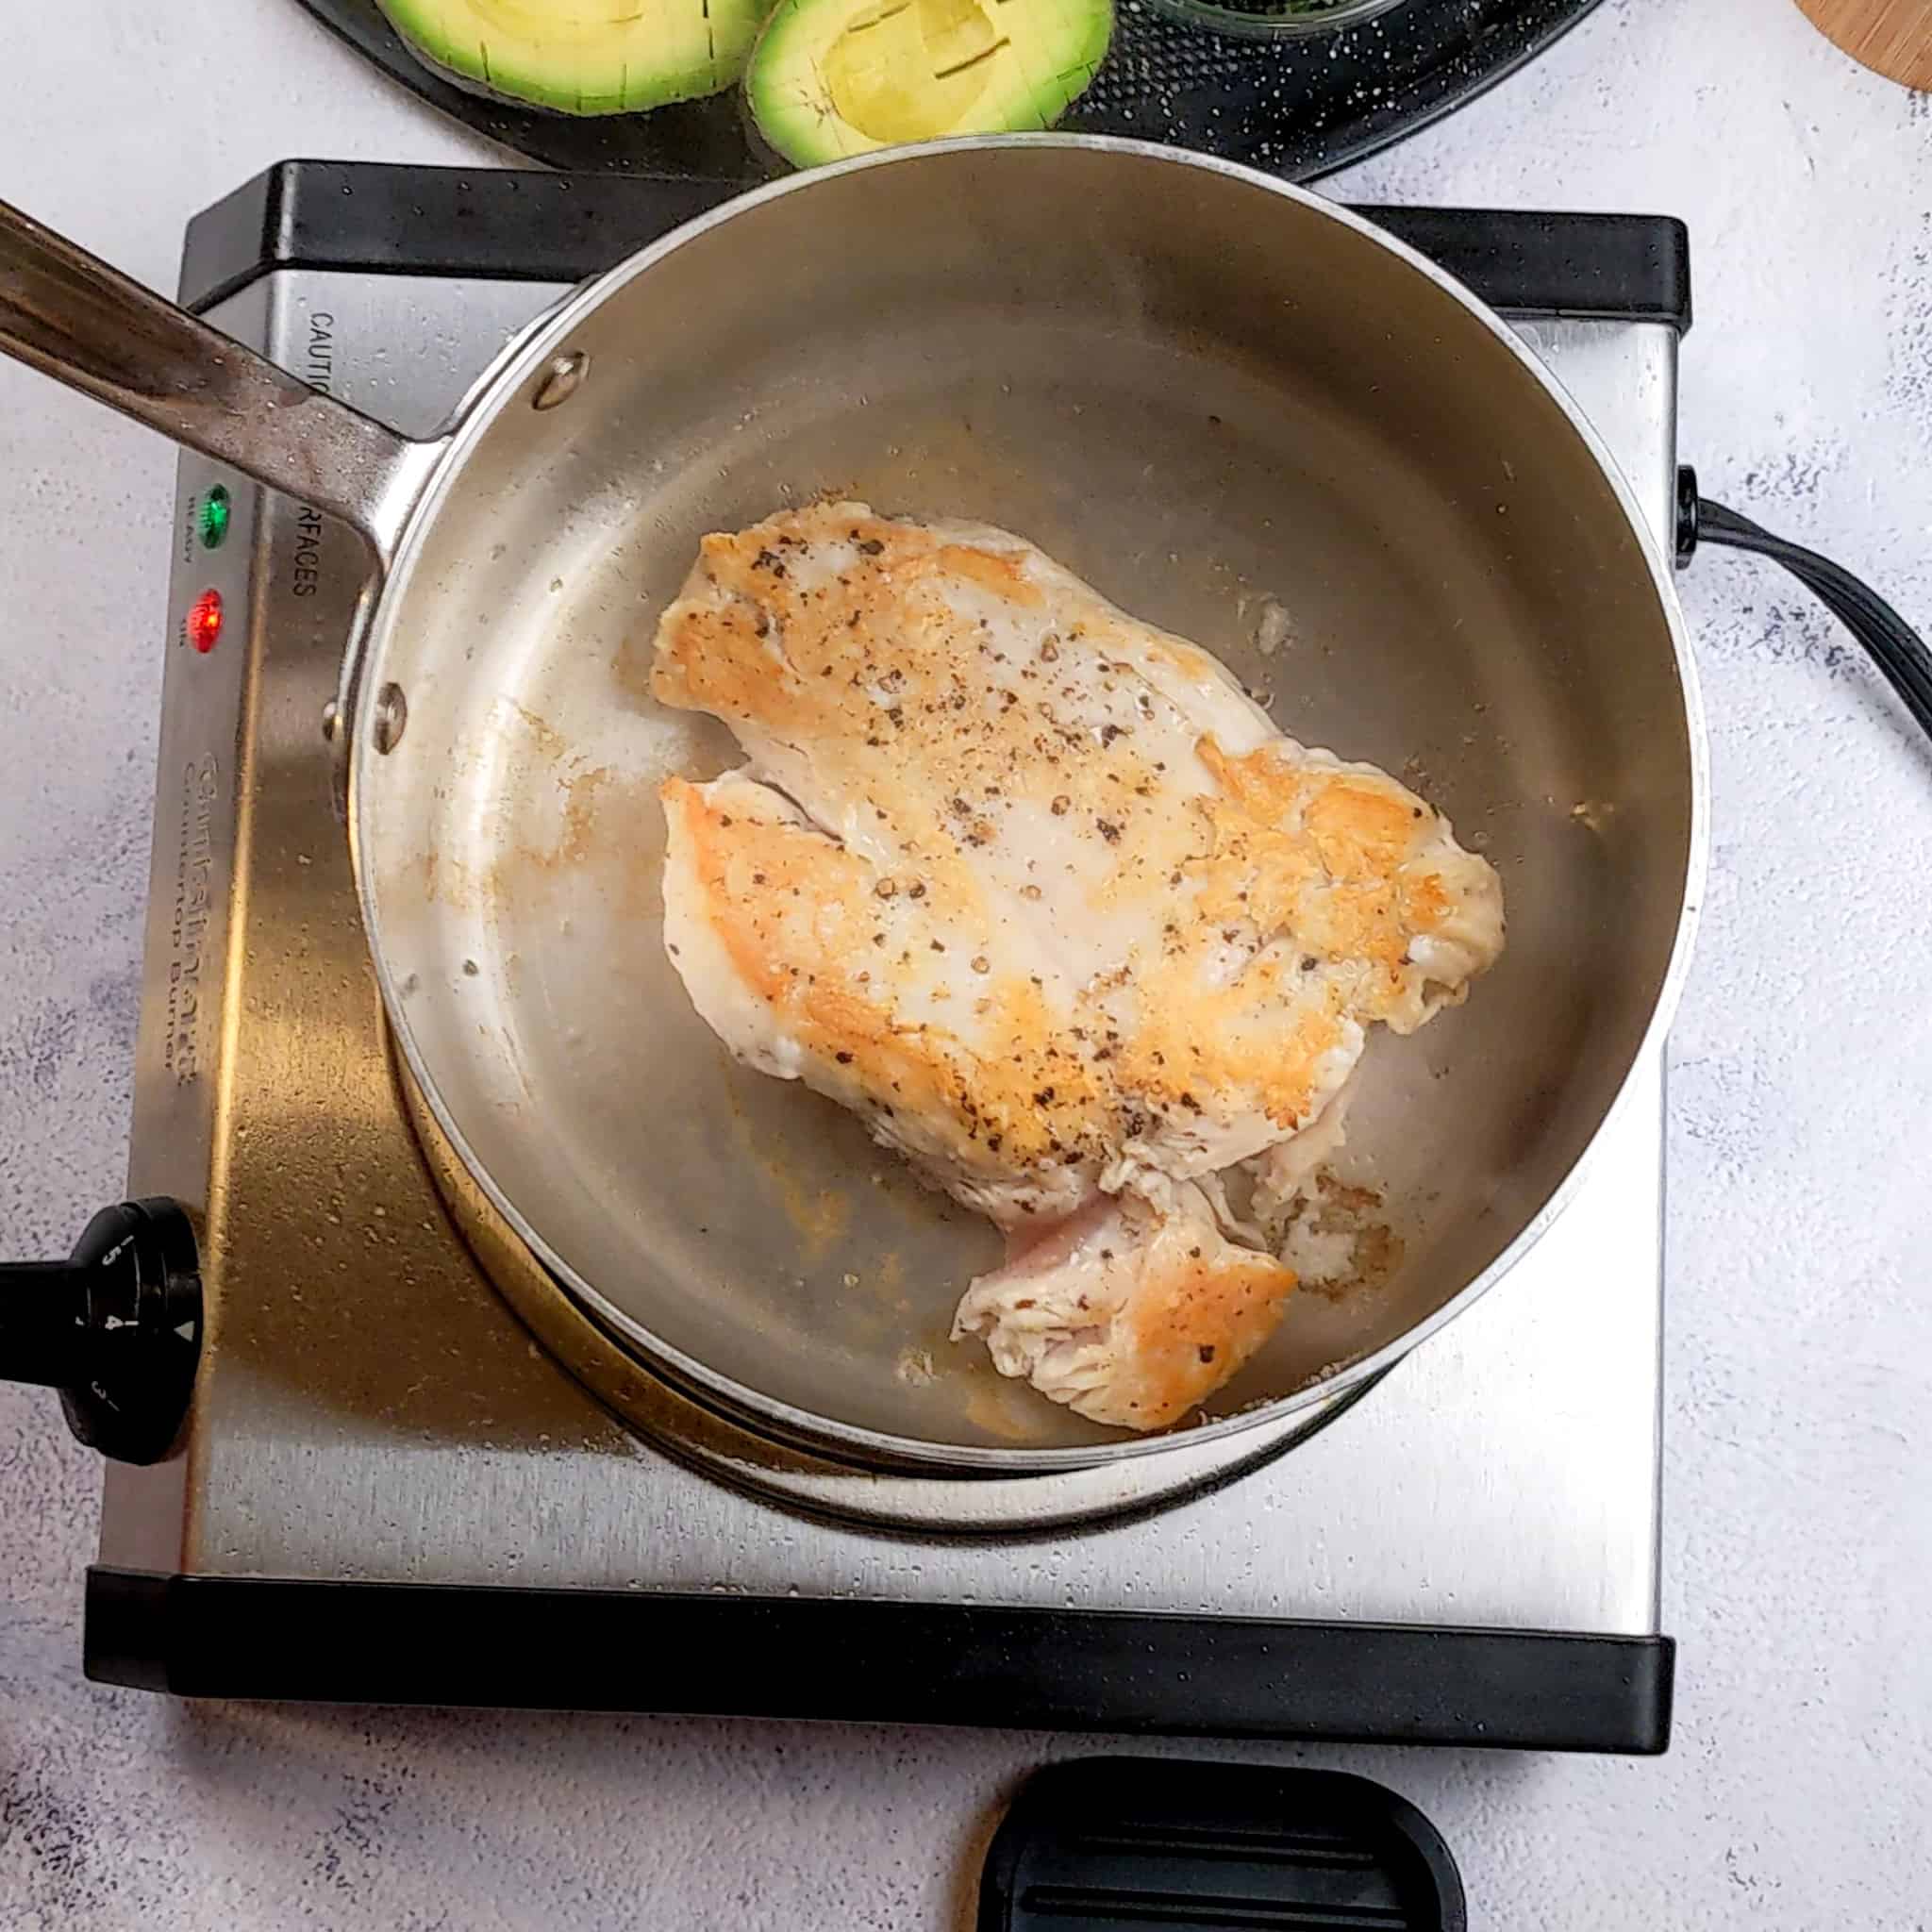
x=1202 y=389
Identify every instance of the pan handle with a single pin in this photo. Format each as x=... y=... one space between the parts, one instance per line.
x=71 y=316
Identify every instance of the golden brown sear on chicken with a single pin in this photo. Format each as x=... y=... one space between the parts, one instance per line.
x=1041 y=893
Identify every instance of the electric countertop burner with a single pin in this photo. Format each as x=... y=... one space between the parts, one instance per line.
x=388 y=1489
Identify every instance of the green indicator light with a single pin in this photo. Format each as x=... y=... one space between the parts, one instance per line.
x=213 y=521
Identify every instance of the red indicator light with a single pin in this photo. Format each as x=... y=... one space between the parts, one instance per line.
x=205 y=621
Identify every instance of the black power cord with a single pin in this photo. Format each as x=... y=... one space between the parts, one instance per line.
x=1892 y=644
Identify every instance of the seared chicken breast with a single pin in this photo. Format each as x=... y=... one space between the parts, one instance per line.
x=1039 y=893
x=1130 y=1312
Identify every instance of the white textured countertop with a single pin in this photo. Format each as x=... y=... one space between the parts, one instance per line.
x=1798 y=1545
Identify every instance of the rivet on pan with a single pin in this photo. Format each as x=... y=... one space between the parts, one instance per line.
x=562 y=379
x=391 y=715
x=331 y=720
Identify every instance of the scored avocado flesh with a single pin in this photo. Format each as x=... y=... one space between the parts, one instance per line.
x=834 y=77
x=583 y=57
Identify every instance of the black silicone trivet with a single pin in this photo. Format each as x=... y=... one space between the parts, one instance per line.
x=1301 y=107
x=1112 y=1843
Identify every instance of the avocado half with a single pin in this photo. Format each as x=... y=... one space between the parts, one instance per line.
x=835 y=77
x=583 y=57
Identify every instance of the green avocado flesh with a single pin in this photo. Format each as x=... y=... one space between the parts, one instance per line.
x=836 y=78
x=583 y=57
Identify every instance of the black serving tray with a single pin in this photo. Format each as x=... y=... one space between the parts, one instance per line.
x=1299 y=108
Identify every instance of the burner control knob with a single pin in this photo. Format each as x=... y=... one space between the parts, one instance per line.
x=116 y=1328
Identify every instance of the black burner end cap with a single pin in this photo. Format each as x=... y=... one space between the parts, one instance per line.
x=1106 y=1843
